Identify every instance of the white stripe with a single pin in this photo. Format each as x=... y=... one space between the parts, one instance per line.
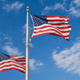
x=65 y=29
x=17 y=57
x=66 y=37
x=42 y=25
x=51 y=25
x=20 y=59
x=57 y=22
x=11 y=63
x=62 y=25
x=6 y=60
x=44 y=29
x=46 y=32
x=51 y=28
x=64 y=34
x=12 y=67
x=56 y=18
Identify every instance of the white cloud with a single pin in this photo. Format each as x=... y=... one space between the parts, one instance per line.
x=9 y=43
x=78 y=38
x=54 y=7
x=6 y=44
x=7 y=38
x=49 y=8
x=24 y=29
x=34 y=65
x=77 y=2
x=69 y=59
x=31 y=45
x=75 y=12
x=31 y=64
x=13 y=6
x=39 y=64
x=74 y=8
x=11 y=50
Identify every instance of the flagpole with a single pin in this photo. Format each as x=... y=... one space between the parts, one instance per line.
x=27 y=46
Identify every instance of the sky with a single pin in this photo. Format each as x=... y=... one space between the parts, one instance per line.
x=50 y=57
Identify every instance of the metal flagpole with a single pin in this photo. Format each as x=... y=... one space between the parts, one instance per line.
x=27 y=47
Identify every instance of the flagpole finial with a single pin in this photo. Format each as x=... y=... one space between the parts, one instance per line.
x=27 y=8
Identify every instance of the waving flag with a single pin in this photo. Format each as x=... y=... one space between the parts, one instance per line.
x=12 y=62
x=53 y=25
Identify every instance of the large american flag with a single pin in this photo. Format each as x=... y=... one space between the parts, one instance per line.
x=53 y=25
x=12 y=62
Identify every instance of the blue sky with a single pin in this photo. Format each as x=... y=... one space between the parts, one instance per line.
x=50 y=57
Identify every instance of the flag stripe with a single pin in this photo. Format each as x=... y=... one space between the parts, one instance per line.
x=57 y=17
x=48 y=28
x=12 y=67
x=58 y=22
x=52 y=31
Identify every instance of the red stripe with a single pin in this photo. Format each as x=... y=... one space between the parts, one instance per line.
x=9 y=62
x=6 y=65
x=51 y=30
x=23 y=63
x=45 y=33
x=64 y=27
x=50 y=34
x=57 y=20
x=6 y=62
x=22 y=58
x=58 y=16
x=12 y=68
x=59 y=24
x=17 y=57
x=19 y=60
x=37 y=28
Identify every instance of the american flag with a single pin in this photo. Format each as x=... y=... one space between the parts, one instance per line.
x=53 y=25
x=8 y=62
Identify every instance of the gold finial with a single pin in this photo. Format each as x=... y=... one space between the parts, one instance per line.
x=27 y=7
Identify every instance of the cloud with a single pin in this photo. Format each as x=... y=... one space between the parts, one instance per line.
x=75 y=12
x=11 y=50
x=6 y=44
x=77 y=2
x=69 y=59
x=24 y=29
x=34 y=65
x=74 y=8
x=31 y=45
x=55 y=7
x=13 y=6
x=7 y=38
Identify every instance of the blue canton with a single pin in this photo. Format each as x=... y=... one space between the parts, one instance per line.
x=39 y=20
x=3 y=57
